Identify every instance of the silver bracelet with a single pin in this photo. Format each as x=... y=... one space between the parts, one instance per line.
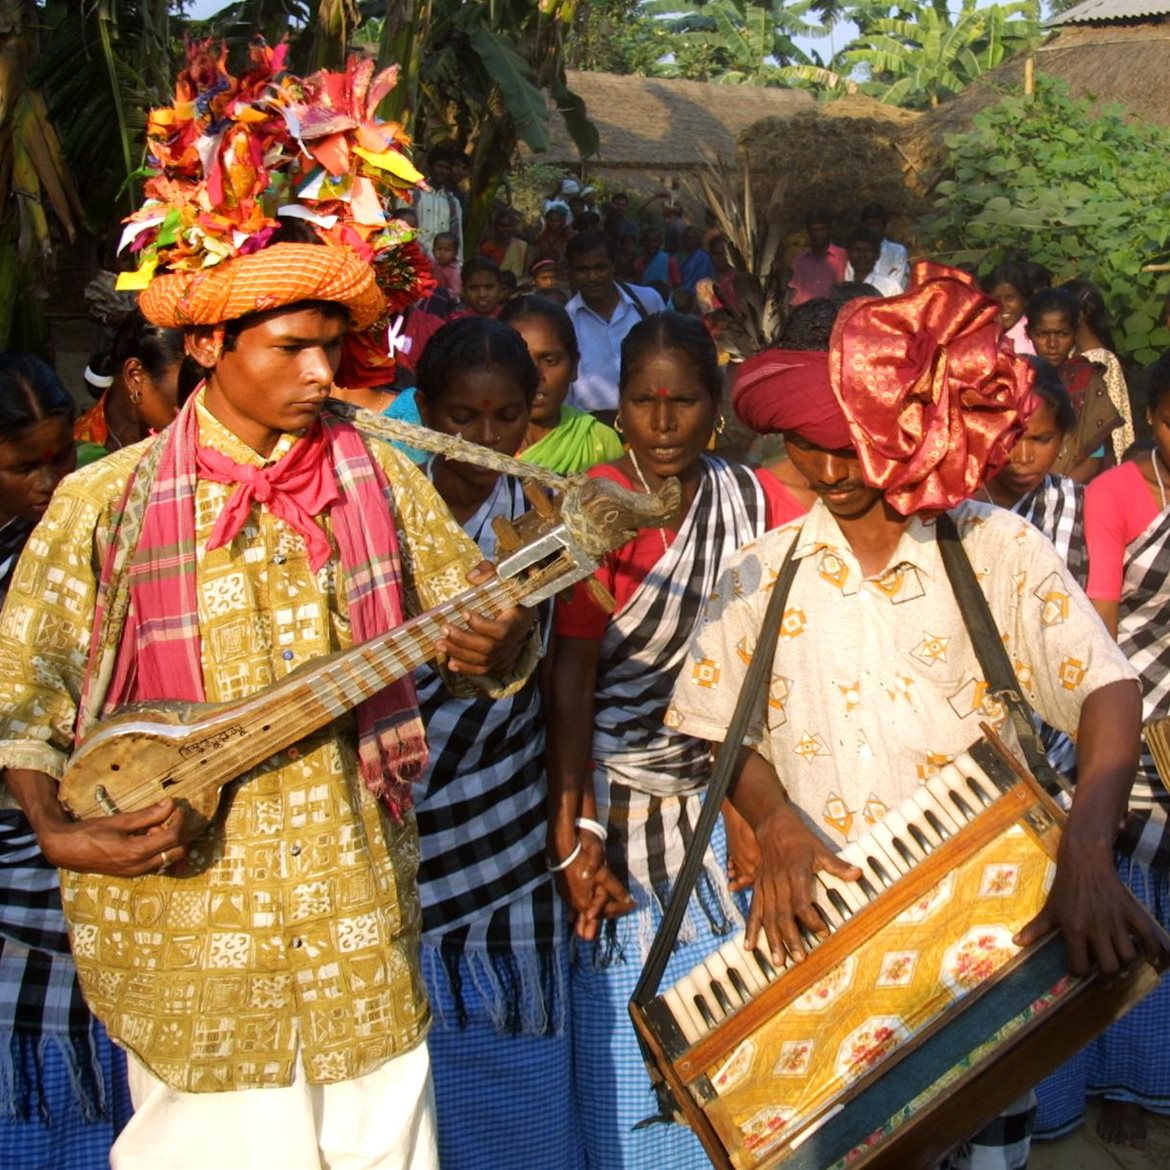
x=594 y=827
x=561 y=866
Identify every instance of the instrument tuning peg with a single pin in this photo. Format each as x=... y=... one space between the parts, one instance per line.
x=538 y=498
x=600 y=594
x=507 y=537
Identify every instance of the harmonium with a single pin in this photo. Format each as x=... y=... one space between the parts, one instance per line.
x=916 y=1020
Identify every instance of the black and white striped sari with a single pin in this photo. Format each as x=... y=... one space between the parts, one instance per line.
x=487 y=899
x=1057 y=508
x=649 y=779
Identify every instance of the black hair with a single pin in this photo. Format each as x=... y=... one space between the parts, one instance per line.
x=1050 y=389
x=474 y=343
x=1039 y=276
x=1013 y=272
x=586 y=221
x=809 y=326
x=191 y=375
x=1093 y=311
x=157 y=348
x=818 y=215
x=673 y=331
x=480 y=264
x=865 y=236
x=444 y=236
x=588 y=240
x=30 y=392
x=1159 y=381
x=443 y=152
x=554 y=315
x=875 y=211
x=1054 y=300
x=232 y=329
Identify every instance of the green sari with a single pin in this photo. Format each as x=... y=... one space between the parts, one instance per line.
x=577 y=443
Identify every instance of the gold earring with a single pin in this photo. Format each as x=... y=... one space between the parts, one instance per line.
x=136 y=396
x=617 y=424
x=720 y=425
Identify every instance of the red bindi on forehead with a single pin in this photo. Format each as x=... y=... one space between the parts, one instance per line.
x=661 y=391
x=485 y=404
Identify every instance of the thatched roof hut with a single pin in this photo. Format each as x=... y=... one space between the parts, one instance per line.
x=1106 y=50
x=653 y=129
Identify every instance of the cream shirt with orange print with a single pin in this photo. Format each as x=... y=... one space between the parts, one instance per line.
x=875 y=683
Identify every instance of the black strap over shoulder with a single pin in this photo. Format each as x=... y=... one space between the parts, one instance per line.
x=642 y=311
x=985 y=635
x=751 y=699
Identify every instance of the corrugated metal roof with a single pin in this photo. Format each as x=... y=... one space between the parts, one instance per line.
x=1103 y=11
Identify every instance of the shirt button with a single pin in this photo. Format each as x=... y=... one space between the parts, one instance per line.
x=279 y=559
x=287 y=656
x=295 y=851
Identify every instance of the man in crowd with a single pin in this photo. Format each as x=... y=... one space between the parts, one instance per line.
x=821 y=265
x=603 y=311
x=893 y=261
x=863 y=248
x=438 y=209
x=263 y=972
x=875 y=679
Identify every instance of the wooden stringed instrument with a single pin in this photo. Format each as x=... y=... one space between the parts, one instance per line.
x=190 y=751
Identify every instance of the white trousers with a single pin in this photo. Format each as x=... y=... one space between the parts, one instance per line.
x=382 y=1121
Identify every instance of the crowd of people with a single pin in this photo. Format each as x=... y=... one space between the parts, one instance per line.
x=409 y=938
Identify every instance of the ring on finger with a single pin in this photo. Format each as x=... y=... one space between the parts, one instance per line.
x=163 y=858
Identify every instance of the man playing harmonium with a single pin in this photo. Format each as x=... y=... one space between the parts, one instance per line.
x=264 y=975
x=875 y=682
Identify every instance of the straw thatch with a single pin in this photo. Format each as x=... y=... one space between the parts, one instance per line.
x=654 y=129
x=1127 y=63
x=842 y=155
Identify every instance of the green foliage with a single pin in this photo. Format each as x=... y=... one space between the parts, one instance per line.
x=921 y=57
x=1082 y=192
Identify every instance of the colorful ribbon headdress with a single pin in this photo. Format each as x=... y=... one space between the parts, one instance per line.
x=235 y=155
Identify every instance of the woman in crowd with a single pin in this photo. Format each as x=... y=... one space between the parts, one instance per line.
x=559 y=437
x=495 y=937
x=1011 y=285
x=1053 y=319
x=1028 y=486
x=625 y=792
x=483 y=288
x=1053 y=503
x=1095 y=344
x=554 y=236
x=656 y=265
x=139 y=369
x=63 y=1094
x=1127 y=525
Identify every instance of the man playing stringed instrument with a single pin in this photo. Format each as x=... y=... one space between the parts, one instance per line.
x=263 y=974
x=875 y=681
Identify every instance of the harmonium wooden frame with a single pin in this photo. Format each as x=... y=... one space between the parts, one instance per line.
x=929 y=1077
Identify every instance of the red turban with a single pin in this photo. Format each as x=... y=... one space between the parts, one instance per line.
x=934 y=400
x=789 y=390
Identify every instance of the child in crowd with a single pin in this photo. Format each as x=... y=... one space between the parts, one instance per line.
x=483 y=287
x=1053 y=318
x=445 y=263
x=893 y=262
x=1011 y=285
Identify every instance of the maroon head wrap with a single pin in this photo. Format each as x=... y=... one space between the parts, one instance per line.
x=789 y=390
x=934 y=401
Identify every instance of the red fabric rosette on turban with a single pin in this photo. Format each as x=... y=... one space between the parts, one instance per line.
x=933 y=399
x=788 y=390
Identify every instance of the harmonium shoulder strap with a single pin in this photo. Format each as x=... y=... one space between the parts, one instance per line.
x=891 y=1042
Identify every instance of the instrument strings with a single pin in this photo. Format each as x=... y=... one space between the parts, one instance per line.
x=496 y=595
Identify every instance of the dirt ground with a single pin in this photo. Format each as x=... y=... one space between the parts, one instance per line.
x=1084 y=1150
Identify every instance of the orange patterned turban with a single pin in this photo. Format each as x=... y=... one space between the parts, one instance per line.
x=788 y=390
x=933 y=399
x=270 y=278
